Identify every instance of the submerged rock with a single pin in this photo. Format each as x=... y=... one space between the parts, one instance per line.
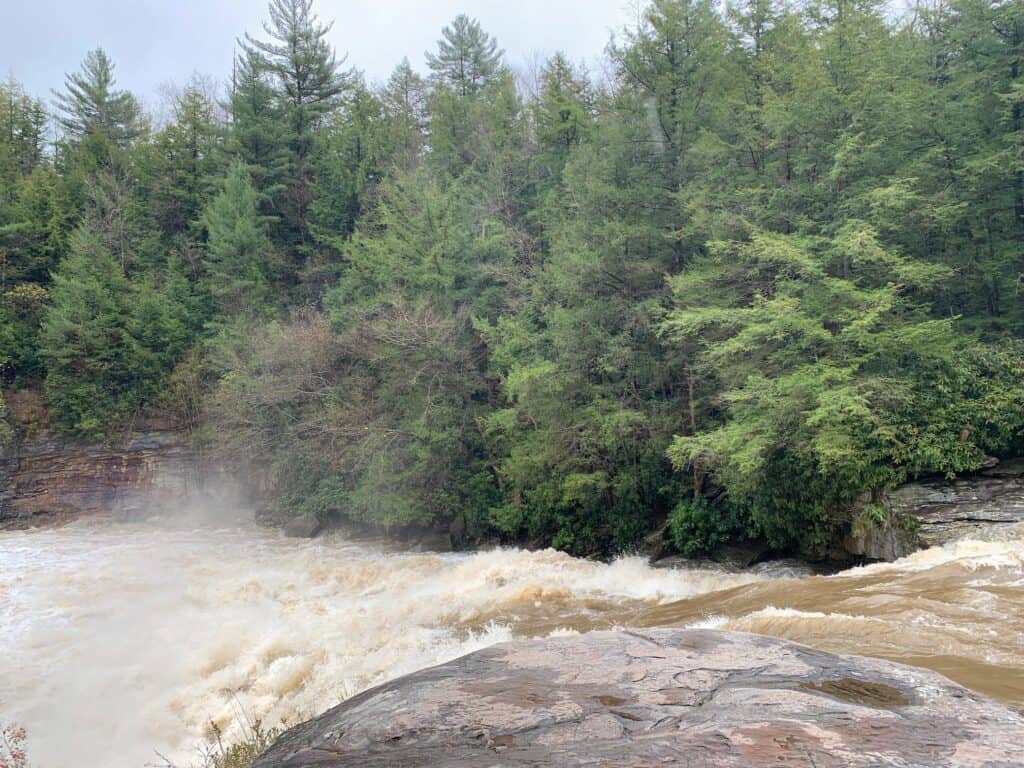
x=302 y=527
x=685 y=697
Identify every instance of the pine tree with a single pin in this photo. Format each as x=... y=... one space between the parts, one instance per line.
x=467 y=58
x=677 y=77
x=351 y=160
x=238 y=252
x=23 y=123
x=309 y=83
x=180 y=172
x=831 y=370
x=90 y=104
x=404 y=101
x=258 y=135
x=91 y=358
x=677 y=57
x=563 y=111
x=474 y=104
x=36 y=236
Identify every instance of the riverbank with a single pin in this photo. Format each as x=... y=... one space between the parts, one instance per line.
x=47 y=479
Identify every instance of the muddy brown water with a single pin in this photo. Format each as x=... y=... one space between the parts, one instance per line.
x=119 y=641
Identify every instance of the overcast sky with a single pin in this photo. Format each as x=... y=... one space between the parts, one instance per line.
x=153 y=42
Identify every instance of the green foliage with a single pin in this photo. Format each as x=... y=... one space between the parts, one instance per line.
x=107 y=344
x=772 y=259
x=308 y=84
x=467 y=58
x=259 y=132
x=563 y=113
x=90 y=106
x=351 y=159
x=36 y=232
x=698 y=528
x=85 y=341
x=22 y=134
x=831 y=377
x=373 y=424
x=404 y=104
x=184 y=164
x=21 y=314
x=238 y=253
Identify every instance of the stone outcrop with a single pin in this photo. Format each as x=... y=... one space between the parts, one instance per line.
x=46 y=478
x=886 y=542
x=8 y=467
x=659 y=697
x=947 y=510
x=933 y=511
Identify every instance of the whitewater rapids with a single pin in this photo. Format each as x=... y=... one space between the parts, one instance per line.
x=122 y=641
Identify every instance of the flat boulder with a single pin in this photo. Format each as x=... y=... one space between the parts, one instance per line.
x=659 y=697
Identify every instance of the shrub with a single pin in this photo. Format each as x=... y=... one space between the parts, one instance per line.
x=698 y=528
x=12 y=746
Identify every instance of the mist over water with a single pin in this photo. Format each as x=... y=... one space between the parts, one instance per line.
x=117 y=640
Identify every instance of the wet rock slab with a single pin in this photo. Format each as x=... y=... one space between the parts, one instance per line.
x=655 y=698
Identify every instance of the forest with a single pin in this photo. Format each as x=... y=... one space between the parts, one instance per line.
x=767 y=263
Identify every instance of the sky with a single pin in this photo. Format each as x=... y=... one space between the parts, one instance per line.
x=158 y=42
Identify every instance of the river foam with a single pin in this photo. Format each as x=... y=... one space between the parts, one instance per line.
x=120 y=640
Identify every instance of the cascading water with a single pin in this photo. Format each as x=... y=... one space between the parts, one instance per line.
x=119 y=640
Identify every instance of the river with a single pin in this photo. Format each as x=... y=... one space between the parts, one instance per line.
x=118 y=641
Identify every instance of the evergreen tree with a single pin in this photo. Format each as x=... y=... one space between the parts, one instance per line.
x=238 y=252
x=309 y=84
x=563 y=112
x=187 y=160
x=676 y=65
x=467 y=58
x=91 y=358
x=91 y=106
x=21 y=313
x=109 y=344
x=829 y=369
x=23 y=123
x=351 y=160
x=404 y=101
x=772 y=264
x=580 y=444
x=258 y=135
x=36 y=237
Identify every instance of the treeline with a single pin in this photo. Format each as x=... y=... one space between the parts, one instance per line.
x=772 y=261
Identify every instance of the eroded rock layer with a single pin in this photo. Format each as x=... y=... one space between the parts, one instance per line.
x=949 y=509
x=46 y=478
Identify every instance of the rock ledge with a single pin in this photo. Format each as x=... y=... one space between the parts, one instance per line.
x=680 y=697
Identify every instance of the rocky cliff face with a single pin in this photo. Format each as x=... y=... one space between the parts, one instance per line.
x=682 y=697
x=934 y=511
x=946 y=510
x=46 y=478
